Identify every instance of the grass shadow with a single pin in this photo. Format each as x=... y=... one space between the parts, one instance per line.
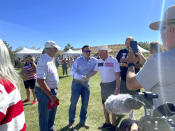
x=78 y=126
x=60 y=77
x=26 y=104
x=66 y=128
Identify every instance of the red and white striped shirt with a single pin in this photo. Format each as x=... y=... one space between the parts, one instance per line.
x=28 y=68
x=11 y=108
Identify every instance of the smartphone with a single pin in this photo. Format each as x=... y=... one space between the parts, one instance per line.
x=134 y=46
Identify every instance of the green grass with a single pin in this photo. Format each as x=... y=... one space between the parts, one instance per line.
x=95 y=115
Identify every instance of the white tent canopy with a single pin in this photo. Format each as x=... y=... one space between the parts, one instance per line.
x=71 y=53
x=26 y=51
x=142 y=50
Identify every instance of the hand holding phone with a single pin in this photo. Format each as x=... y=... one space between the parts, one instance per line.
x=133 y=45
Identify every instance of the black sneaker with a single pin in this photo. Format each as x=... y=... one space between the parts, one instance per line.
x=105 y=125
x=113 y=128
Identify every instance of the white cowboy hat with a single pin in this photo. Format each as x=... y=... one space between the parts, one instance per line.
x=169 y=17
x=50 y=44
x=104 y=47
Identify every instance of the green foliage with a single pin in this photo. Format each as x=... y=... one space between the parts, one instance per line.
x=144 y=45
x=12 y=54
x=67 y=47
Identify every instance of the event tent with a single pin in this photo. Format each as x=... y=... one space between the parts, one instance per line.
x=142 y=50
x=26 y=51
x=71 y=53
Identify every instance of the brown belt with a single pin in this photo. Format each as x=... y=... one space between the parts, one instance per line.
x=80 y=81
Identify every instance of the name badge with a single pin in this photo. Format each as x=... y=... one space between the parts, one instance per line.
x=100 y=64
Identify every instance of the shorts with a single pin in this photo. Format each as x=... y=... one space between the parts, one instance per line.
x=107 y=89
x=124 y=89
x=29 y=84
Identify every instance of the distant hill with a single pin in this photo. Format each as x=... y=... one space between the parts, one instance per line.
x=115 y=48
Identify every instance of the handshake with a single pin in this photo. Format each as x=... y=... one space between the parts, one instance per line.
x=85 y=78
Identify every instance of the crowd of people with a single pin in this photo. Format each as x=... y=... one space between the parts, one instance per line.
x=121 y=74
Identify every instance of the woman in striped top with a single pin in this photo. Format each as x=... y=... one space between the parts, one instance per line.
x=11 y=106
x=29 y=69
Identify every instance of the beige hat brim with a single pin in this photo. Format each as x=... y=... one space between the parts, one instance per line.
x=56 y=46
x=156 y=25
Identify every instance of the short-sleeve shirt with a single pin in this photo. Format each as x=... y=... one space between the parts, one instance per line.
x=123 y=54
x=107 y=69
x=46 y=70
x=82 y=66
x=28 y=68
x=158 y=76
x=11 y=108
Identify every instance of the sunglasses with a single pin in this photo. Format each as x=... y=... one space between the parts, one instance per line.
x=87 y=51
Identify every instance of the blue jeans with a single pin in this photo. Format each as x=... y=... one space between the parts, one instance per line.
x=77 y=90
x=46 y=116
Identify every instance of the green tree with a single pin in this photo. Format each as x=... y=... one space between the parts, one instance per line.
x=144 y=45
x=12 y=54
x=67 y=47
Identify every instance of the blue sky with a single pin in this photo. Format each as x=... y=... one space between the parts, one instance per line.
x=30 y=23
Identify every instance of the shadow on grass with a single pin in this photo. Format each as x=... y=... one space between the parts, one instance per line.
x=26 y=104
x=60 y=77
x=78 y=127
x=66 y=128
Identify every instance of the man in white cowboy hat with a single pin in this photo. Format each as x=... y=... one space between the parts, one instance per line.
x=46 y=86
x=158 y=72
x=109 y=69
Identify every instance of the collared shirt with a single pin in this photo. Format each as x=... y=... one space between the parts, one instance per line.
x=82 y=66
x=46 y=70
x=108 y=69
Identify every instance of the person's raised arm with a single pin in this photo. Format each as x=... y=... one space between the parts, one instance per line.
x=132 y=83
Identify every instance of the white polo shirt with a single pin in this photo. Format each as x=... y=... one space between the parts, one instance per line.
x=46 y=69
x=107 y=69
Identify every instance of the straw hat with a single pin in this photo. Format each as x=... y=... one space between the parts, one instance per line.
x=169 y=17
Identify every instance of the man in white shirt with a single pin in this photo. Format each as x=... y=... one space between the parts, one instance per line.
x=109 y=69
x=46 y=87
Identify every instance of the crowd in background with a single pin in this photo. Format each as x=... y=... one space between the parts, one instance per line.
x=120 y=74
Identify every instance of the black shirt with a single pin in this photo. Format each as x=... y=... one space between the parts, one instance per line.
x=123 y=53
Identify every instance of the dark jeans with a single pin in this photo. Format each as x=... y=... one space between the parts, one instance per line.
x=77 y=90
x=46 y=116
x=64 y=71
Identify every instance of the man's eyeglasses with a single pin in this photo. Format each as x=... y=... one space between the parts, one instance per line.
x=164 y=26
x=87 y=51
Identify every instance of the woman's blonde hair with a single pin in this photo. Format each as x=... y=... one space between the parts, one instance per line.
x=7 y=70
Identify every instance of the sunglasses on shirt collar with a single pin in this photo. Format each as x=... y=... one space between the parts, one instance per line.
x=87 y=51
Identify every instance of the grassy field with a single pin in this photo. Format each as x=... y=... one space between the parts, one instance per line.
x=95 y=112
